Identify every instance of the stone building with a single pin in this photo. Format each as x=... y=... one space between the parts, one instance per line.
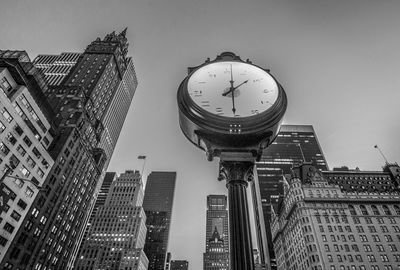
x=341 y=219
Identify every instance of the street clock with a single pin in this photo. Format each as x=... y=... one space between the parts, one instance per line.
x=230 y=105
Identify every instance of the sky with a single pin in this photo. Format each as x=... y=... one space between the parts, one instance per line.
x=338 y=62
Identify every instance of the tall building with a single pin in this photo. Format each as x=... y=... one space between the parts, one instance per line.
x=56 y=67
x=216 y=256
x=100 y=201
x=117 y=235
x=26 y=131
x=157 y=204
x=179 y=265
x=293 y=145
x=50 y=233
x=341 y=219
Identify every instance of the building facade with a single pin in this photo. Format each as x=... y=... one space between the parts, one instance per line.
x=50 y=233
x=179 y=265
x=338 y=220
x=216 y=256
x=56 y=67
x=100 y=201
x=117 y=235
x=158 y=202
x=26 y=132
x=293 y=145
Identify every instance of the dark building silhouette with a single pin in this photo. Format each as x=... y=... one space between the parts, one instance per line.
x=158 y=202
x=293 y=145
x=50 y=233
x=216 y=256
x=340 y=219
x=179 y=265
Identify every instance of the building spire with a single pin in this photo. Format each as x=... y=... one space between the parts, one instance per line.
x=123 y=33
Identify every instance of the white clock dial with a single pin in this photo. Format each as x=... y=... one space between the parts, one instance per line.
x=232 y=89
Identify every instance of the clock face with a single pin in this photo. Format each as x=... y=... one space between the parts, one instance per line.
x=232 y=89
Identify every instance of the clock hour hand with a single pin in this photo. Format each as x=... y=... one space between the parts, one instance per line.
x=234 y=88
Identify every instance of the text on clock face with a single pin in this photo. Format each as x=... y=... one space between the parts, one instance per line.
x=232 y=89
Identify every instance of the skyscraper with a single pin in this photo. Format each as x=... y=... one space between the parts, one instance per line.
x=26 y=131
x=341 y=219
x=293 y=145
x=179 y=265
x=158 y=201
x=117 y=235
x=216 y=256
x=100 y=201
x=48 y=237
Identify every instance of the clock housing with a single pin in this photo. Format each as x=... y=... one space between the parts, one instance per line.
x=216 y=128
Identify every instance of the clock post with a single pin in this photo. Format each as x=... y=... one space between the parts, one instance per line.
x=232 y=110
x=237 y=173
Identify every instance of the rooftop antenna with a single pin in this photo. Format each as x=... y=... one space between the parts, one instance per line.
x=376 y=146
x=144 y=163
x=302 y=154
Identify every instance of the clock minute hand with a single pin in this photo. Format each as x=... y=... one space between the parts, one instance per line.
x=234 y=88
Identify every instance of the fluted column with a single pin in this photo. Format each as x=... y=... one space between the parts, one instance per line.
x=237 y=174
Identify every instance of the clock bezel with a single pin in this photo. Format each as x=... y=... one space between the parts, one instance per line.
x=226 y=124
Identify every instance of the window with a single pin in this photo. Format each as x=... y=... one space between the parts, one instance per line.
x=367 y=248
x=6 y=115
x=11 y=138
x=372 y=229
x=21 y=150
x=8 y=227
x=40 y=172
x=375 y=210
x=22 y=204
x=384 y=258
x=4 y=149
x=364 y=210
x=24 y=171
x=18 y=129
x=27 y=141
x=36 y=152
x=397 y=209
x=380 y=248
x=37 y=232
x=3 y=241
x=355 y=248
x=393 y=248
x=45 y=164
x=35 y=212
x=386 y=210
x=29 y=192
x=388 y=238
x=2 y=127
x=376 y=238
x=363 y=238
x=15 y=215
x=5 y=85
x=371 y=258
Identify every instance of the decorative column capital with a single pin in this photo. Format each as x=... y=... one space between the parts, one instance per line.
x=236 y=172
